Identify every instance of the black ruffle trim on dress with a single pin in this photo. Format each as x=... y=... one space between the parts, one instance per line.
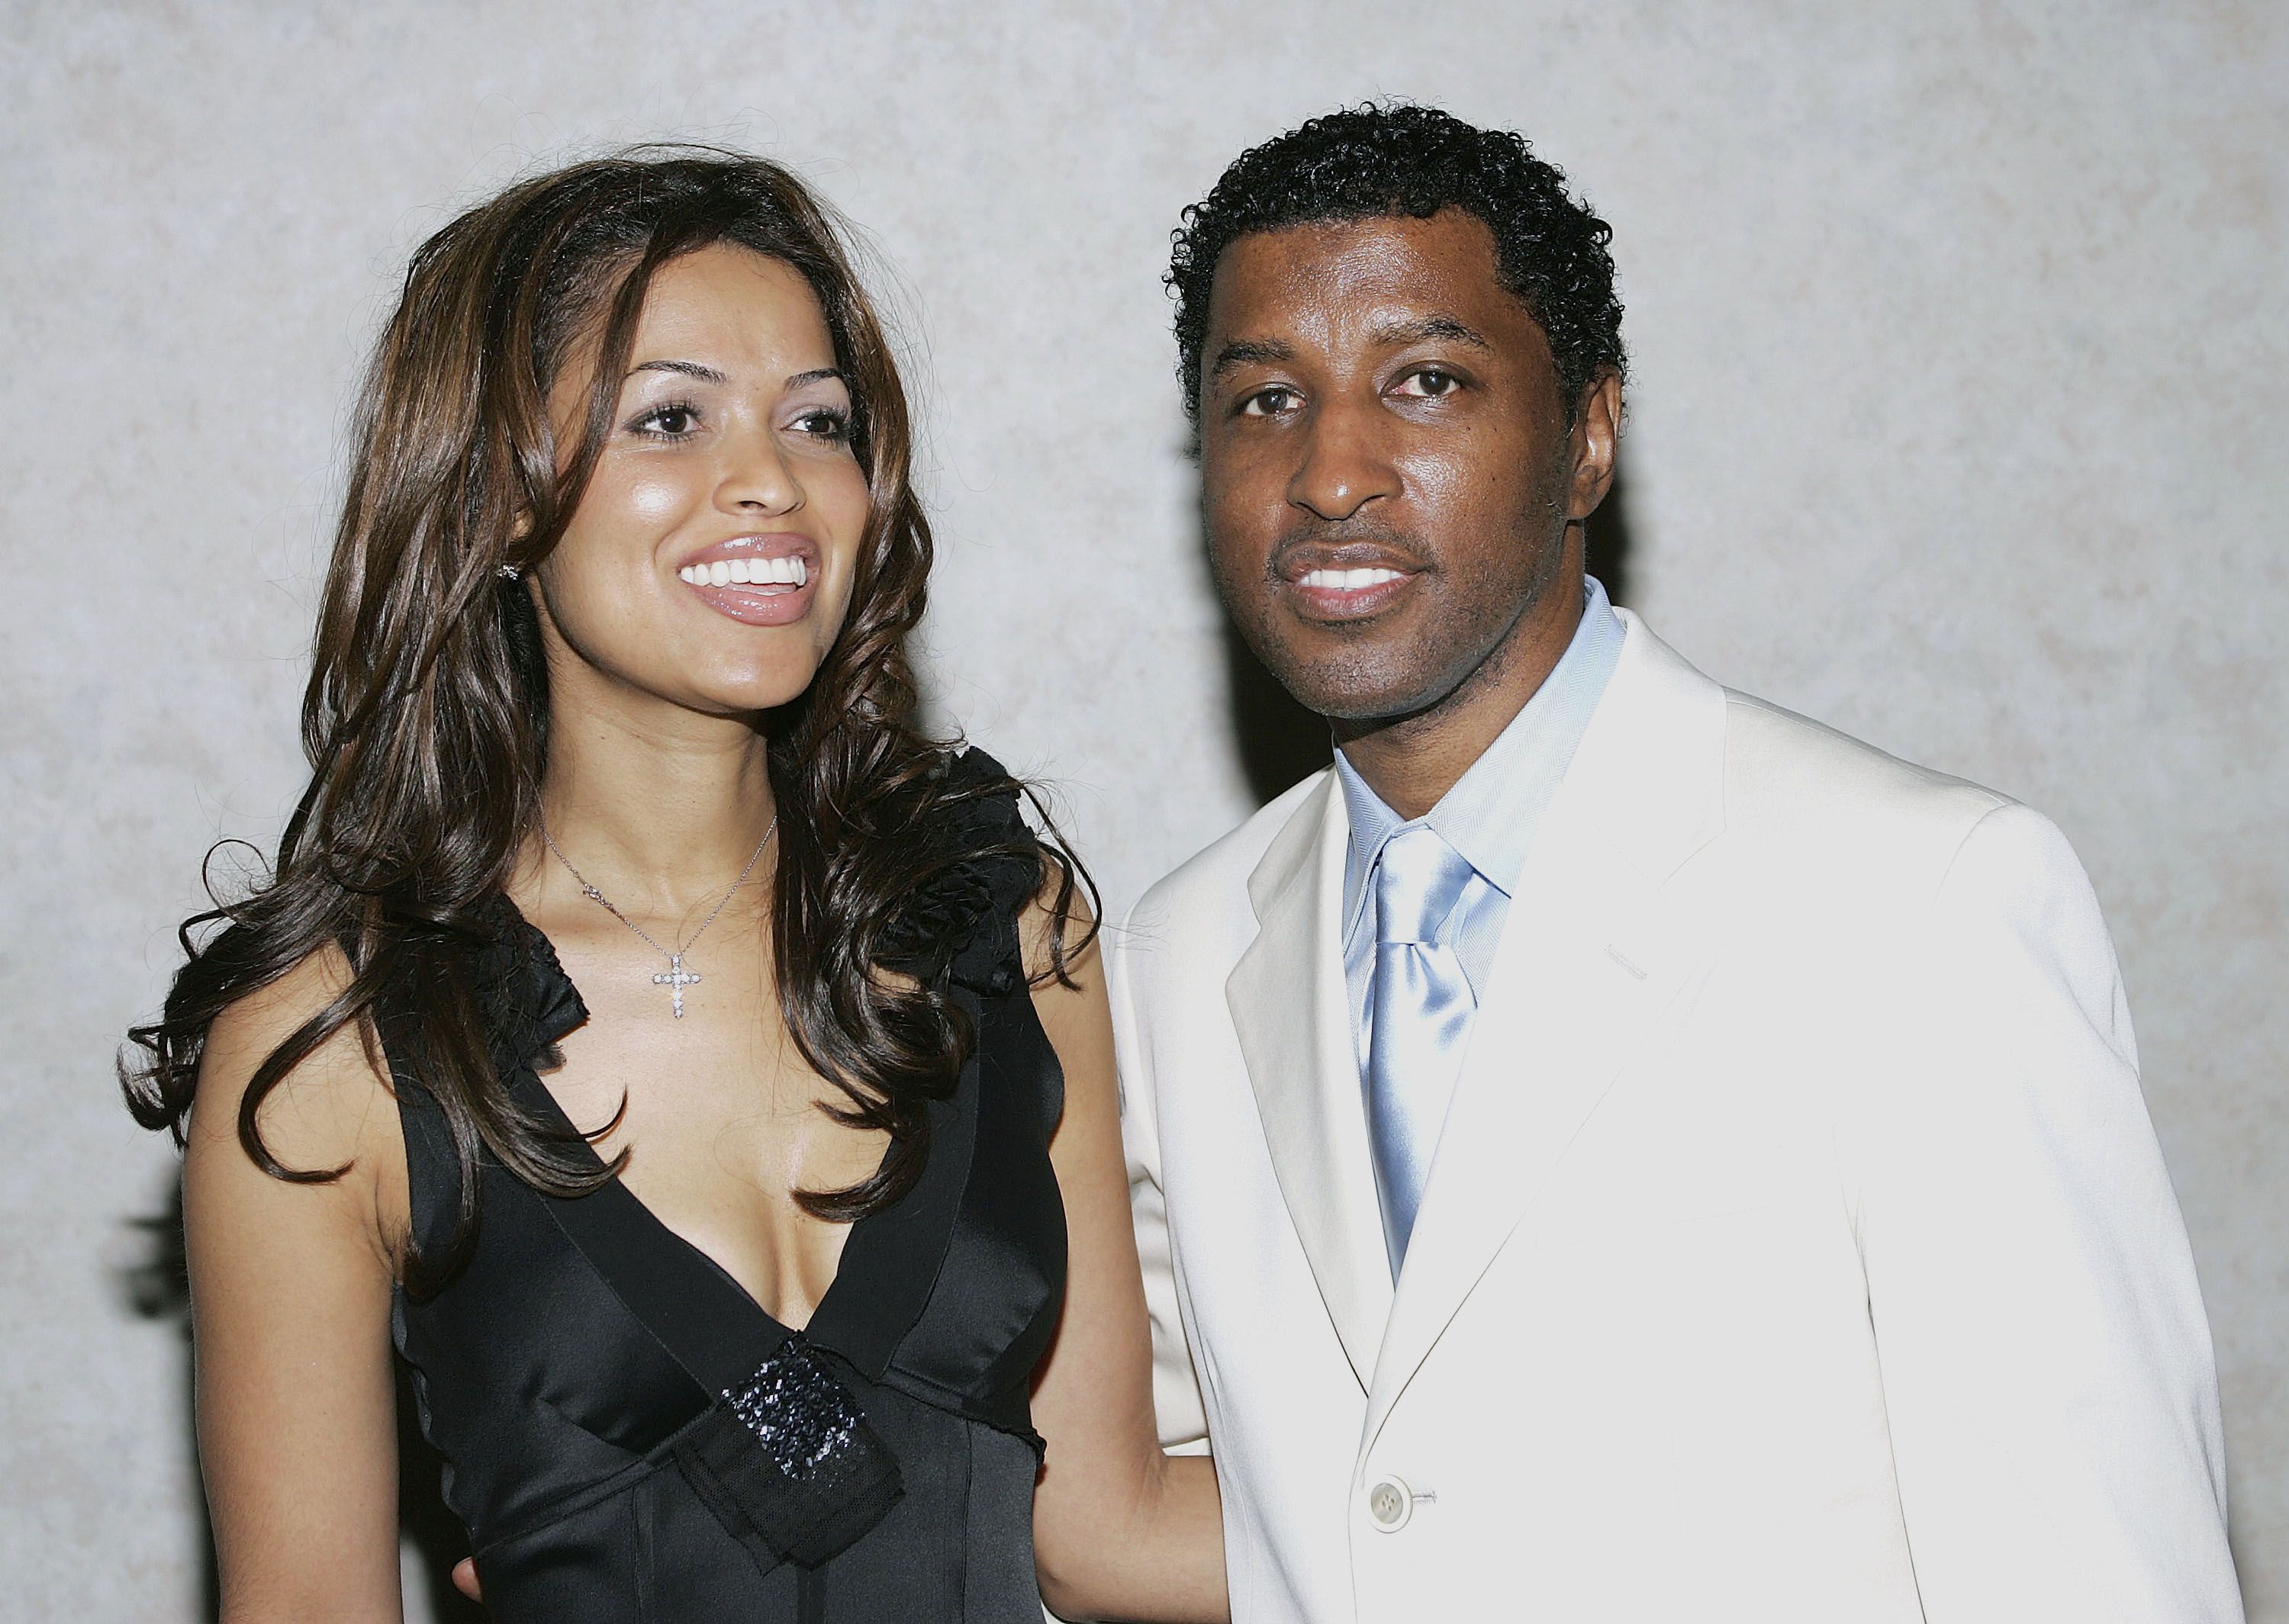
x=960 y=924
x=530 y=1002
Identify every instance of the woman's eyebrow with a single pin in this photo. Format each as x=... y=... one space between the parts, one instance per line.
x=690 y=369
x=709 y=375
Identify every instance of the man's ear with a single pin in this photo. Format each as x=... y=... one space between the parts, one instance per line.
x=1597 y=439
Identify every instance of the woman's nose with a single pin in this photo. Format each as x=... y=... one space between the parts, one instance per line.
x=758 y=478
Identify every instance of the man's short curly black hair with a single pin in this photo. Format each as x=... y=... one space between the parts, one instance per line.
x=1401 y=159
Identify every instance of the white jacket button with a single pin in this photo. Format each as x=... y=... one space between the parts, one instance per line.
x=1390 y=1503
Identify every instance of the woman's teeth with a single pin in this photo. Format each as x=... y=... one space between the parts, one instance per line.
x=748 y=572
x=1349 y=580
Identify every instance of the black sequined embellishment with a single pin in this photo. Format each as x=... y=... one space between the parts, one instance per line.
x=801 y=1414
x=787 y=1462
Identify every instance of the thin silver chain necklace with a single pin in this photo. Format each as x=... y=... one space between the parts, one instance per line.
x=675 y=978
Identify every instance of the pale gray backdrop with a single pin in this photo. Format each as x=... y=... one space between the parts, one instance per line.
x=1961 y=375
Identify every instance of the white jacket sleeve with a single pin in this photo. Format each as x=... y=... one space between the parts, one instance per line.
x=2046 y=1368
x=1175 y=1386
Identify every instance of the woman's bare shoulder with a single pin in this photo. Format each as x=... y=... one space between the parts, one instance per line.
x=1041 y=927
x=333 y=1107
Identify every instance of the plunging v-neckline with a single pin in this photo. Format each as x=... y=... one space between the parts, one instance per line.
x=616 y=1189
x=890 y=1259
x=819 y=1327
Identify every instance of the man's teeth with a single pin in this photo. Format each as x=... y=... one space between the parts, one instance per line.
x=748 y=572
x=1351 y=581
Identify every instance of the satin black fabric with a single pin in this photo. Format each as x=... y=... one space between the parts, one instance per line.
x=573 y=1372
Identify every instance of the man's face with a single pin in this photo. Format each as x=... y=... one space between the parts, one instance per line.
x=1386 y=461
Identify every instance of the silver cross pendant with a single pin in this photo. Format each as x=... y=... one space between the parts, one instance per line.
x=675 y=979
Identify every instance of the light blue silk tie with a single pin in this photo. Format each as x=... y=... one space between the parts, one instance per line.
x=1419 y=1011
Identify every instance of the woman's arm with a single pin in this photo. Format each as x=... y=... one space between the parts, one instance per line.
x=289 y=1313
x=1119 y=1529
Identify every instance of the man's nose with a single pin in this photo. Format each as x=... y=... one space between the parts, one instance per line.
x=1345 y=465
x=758 y=478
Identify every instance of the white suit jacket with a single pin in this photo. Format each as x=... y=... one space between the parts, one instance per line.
x=1797 y=1246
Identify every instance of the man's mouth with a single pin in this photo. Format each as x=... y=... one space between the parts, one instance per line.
x=1349 y=580
x=1343 y=590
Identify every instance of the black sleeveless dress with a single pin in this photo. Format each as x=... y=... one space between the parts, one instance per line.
x=629 y=1437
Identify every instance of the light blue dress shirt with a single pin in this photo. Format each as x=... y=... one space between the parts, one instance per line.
x=1491 y=814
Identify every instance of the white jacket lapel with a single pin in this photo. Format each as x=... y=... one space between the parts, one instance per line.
x=1293 y=1018
x=1589 y=970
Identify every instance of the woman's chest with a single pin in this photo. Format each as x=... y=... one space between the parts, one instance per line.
x=723 y=1127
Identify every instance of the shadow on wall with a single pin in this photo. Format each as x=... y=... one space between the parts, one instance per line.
x=157 y=1287
x=1279 y=743
x=1608 y=550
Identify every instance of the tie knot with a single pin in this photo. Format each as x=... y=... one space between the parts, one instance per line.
x=1418 y=879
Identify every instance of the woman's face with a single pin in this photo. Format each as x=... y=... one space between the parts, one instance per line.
x=709 y=562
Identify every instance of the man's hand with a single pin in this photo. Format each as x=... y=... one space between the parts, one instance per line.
x=465 y=1578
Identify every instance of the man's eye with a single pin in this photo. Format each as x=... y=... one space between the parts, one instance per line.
x=1429 y=382
x=1267 y=402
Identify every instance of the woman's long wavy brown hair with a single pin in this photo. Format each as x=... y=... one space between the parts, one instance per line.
x=426 y=719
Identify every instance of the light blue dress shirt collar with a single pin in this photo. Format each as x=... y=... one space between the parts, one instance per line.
x=1492 y=813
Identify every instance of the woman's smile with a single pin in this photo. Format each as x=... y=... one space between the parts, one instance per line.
x=757 y=580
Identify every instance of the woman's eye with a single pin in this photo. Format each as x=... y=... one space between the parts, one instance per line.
x=1267 y=402
x=825 y=423
x=669 y=422
x=1429 y=382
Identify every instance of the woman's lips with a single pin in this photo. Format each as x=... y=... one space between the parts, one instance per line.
x=1351 y=593
x=774 y=592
